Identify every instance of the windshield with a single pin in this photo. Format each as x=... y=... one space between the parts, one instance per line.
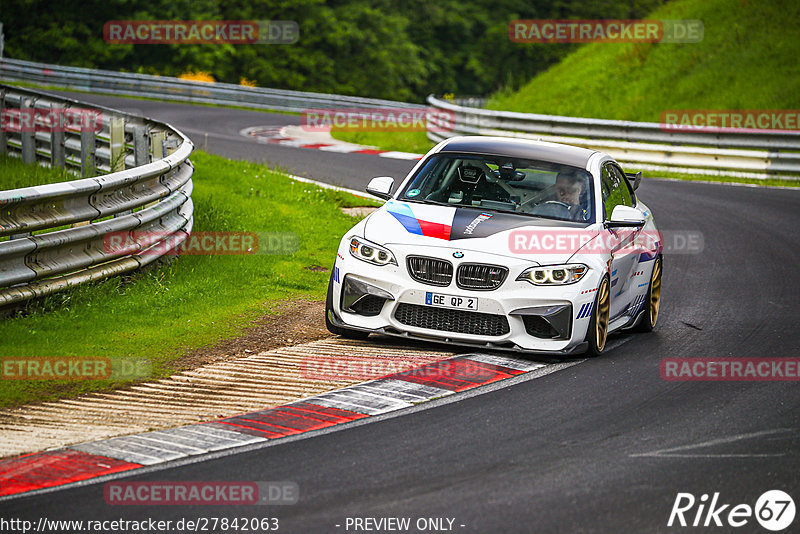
x=498 y=183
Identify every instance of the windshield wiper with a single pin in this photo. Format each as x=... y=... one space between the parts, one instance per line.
x=499 y=210
x=426 y=201
x=527 y=214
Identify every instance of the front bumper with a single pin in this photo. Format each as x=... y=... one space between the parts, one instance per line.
x=577 y=349
x=517 y=316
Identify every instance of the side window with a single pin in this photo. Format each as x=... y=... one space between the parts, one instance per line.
x=609 y=184
x=625 y=187
x=615 y=188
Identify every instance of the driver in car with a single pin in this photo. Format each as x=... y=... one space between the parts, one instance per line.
x=569 y=187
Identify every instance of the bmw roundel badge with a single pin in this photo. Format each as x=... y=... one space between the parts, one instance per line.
x=458 y=254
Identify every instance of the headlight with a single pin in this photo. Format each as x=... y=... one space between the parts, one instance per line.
x=554 y=275
x=370 y=252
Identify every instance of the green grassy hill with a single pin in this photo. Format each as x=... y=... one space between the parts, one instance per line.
x=748 y=59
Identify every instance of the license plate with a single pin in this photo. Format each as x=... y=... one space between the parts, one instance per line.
x=451 y=301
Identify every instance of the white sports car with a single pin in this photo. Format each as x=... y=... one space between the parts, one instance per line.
x=503 y=244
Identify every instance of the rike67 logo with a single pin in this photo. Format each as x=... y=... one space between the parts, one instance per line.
x=774 y=510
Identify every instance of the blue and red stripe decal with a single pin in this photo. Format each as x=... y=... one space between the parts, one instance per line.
x=412 y=224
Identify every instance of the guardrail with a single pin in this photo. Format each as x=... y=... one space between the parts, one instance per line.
x=166 y=88
x=646 y=145
x=136 y=182
x=649 y=145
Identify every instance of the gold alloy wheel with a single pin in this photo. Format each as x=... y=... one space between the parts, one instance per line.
x=601 y=318
x=655 y=292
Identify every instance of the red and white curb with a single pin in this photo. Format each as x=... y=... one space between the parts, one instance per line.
x=376 y=397
x=298 y=137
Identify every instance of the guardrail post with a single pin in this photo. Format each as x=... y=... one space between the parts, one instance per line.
x=3 y=136
x=57 y=151
x=171 y=145
x=157 y=144
x=117 y=144
x=62 y=257
x=28 y=139
x=141 y=149
x=88 y=162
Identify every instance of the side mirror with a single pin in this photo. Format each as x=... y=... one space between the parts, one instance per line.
x=381 y=187
x=626 y=217
x=634 y=179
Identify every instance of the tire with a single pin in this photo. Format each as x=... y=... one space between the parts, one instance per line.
x=597 y=336
x=652 y=300
x=338 y=330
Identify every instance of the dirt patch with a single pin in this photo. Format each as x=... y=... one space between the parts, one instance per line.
x=292 y=322
x=359 y=211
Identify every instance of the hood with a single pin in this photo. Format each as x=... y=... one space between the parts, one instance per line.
x=407 y=223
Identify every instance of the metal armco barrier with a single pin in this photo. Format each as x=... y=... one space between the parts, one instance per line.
x=648 y=145
x=166 y=88
x=137 y=182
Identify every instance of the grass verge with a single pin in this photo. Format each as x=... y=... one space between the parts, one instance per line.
x=414 y=142
x=746 y=60
x=191 y=302
x=14 y=174
x=766 y=182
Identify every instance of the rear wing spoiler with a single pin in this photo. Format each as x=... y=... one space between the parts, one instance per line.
x=634 y=179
